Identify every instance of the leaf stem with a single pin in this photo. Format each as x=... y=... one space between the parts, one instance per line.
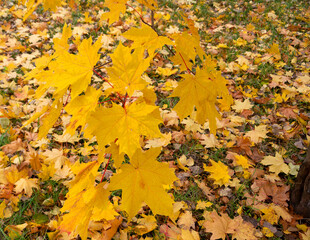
x=67 y=98
x=102 y=78
x=106 y=166
x=124 y=102
x=188 y=70
x=66 y=102
x=106 y=81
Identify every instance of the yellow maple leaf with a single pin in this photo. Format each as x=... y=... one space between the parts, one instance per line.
x=85 y=176
x=34 y=158
x=126 y=124
x=51 y=4
x=201 y=91
x=61 y=44
x=40 y=64
x=117 y=157
x=125 y=75
x=32 y=5
x=282 y=212
x=49 y=118
x=276 y=164
x=75 y=70
x=69 y=70
x=187 y=48
x=152 y=4
x=67 y=138
x=81 y=107
x=47 y=171
x=116 y=8
x=243 y=230
x=166 y=71
x=242 y=161
x=146 y=38
x=203 y=204
x=189 y=234
x=142 y=181
x=219 y=172
x=55 y=157
x=84 y=207
x=240 y=42
x=270 y=215
x=2 y=207
x=12 y=175
x=274 y=51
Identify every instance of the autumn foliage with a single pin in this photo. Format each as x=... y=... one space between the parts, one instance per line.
x=105 y=97
x=127 y=119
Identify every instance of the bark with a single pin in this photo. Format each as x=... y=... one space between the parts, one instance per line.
x=300 y=193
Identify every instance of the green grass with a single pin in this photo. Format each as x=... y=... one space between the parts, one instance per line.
x=4 y=139
x=33 y=208
x=192 y=194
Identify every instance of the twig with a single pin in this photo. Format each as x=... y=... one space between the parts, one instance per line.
x=141 y=18
x=152 y=19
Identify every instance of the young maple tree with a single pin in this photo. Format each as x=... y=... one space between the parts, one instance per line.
x=122 y=114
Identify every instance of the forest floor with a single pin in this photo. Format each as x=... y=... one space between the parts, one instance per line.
x=262 y=49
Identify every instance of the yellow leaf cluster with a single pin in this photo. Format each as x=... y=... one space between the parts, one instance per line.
x=126 y=123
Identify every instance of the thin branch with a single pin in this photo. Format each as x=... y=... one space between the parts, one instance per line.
x=188 y=70
x=152 y=19
x=141 y=18
x=169 y=49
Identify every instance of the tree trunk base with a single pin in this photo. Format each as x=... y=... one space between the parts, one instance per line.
x=300 y=193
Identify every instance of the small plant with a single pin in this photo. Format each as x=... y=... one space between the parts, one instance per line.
x=123 y=118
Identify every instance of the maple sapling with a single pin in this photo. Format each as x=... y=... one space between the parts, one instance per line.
x=125 y=121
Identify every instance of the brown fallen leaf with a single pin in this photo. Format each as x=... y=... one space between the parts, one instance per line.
x=219 y=226
x=13 y=147
x=278 y=194
x=186 y=220
x=170 y=231
x=26 y=184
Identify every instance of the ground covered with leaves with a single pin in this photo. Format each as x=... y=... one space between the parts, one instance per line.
x=234 y=185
